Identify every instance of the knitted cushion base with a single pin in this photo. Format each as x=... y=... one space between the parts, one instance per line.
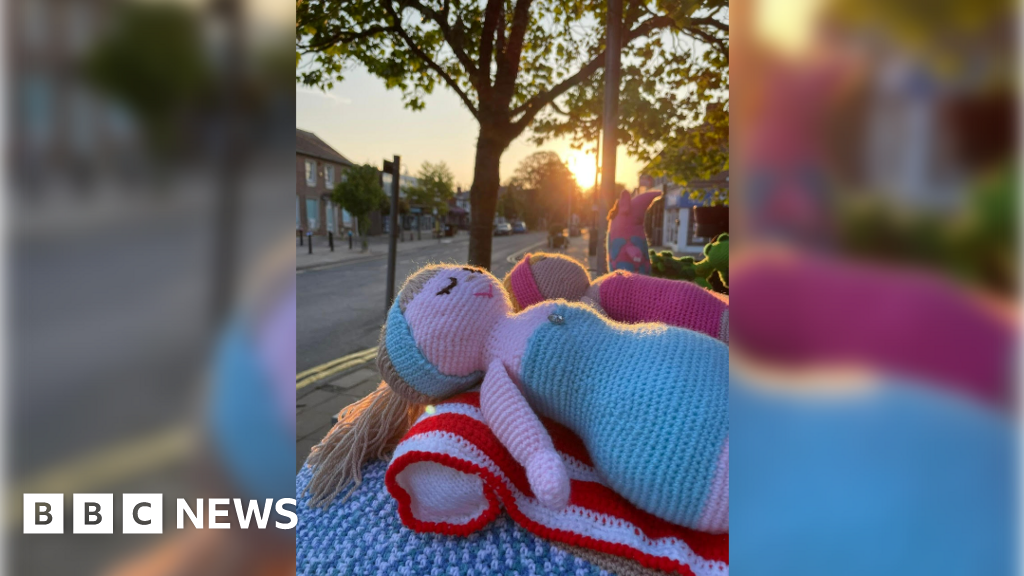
x=451 y=475
x=363 y=536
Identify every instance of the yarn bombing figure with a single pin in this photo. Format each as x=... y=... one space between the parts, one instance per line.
x=658 y=437
x=622 y=296
x=711 y=272
x=627 y=241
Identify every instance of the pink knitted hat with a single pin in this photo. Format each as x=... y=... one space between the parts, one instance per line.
x=540 y=277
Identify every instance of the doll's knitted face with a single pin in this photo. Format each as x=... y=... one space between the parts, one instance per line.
x=452 y=316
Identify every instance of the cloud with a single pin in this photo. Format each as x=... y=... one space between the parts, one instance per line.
x=328 y=95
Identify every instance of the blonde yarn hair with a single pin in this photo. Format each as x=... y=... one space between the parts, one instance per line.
x=370 y=428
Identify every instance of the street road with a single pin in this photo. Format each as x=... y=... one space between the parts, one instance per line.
x=110 y=339
x=340 y=309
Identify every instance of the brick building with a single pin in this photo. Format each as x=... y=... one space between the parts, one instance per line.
x=318 y=168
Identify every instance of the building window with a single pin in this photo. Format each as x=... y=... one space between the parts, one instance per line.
x=312 y=213
x=329 y=176
x=310 y=172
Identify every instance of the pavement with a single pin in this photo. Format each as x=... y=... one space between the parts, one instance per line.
x=377 y=247
x=323 y=389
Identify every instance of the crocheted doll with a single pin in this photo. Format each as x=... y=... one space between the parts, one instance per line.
x=622 y=296
x=712 y=272
x=627 y=242
x=658 y=436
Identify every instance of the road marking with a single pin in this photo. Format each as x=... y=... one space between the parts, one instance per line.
x=307 y=377
x=117 y=463
x=514 y=257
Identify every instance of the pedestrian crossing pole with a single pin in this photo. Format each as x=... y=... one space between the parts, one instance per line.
x=392 y=167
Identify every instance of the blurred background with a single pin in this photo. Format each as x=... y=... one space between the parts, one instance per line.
x=874 y=283
x=149 y=183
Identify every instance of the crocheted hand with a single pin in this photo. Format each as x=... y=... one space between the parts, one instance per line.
x=548 y=479
x=517 y=426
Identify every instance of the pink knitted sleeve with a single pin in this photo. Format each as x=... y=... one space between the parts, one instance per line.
x=518 y=428
x=634 y=298
x=802 y=308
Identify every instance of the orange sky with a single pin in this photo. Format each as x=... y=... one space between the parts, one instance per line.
x=366 y=123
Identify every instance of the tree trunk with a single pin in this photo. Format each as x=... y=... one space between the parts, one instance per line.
x=484 y=197
x=362 y=224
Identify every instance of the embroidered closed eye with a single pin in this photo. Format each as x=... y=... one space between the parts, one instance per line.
x=448 y=289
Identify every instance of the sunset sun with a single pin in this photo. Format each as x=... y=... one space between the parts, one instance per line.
x=582 y=166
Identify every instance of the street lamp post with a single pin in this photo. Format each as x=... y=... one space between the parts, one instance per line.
x=611 y=124
x=392 y=167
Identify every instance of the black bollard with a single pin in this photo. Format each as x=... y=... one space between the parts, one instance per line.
x=350 y=240
x=310 y=234
x=330 y=239
x=300 y=238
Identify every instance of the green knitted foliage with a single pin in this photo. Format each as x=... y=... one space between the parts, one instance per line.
x=712 y=272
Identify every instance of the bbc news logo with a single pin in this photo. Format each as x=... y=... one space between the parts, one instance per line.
x=143 y=513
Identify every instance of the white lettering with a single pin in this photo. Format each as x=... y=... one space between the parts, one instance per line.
x=253 y=510
x=215 y=513
x=183 y=508
x=286 y=513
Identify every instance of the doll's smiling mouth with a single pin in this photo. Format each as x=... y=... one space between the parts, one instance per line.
x=488 y=294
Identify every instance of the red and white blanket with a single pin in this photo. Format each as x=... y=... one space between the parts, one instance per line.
x=451 y=475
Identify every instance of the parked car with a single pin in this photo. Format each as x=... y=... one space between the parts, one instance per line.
x=503 y=229
x=519 y=228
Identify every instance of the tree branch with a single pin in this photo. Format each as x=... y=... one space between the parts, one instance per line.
x=558 y=109
x=508 y=65
x=491 y=14
x=712 y=22
x=499 y=42
x=345 y=37
x=533 y=106
x=633 y=12
x=715 y=41
x=441 y=19
x=430 y=61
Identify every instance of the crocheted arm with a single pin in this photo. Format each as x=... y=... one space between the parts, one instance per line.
x=518 y=428
x=634 y=298
x=906 y=322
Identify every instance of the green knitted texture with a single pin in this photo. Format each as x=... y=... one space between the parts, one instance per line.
x=712 y=272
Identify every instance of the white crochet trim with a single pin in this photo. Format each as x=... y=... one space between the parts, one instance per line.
x=574 y=519
x=439 y=493
x=577 y=470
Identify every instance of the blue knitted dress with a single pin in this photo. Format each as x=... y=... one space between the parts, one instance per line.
x=650 y=402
